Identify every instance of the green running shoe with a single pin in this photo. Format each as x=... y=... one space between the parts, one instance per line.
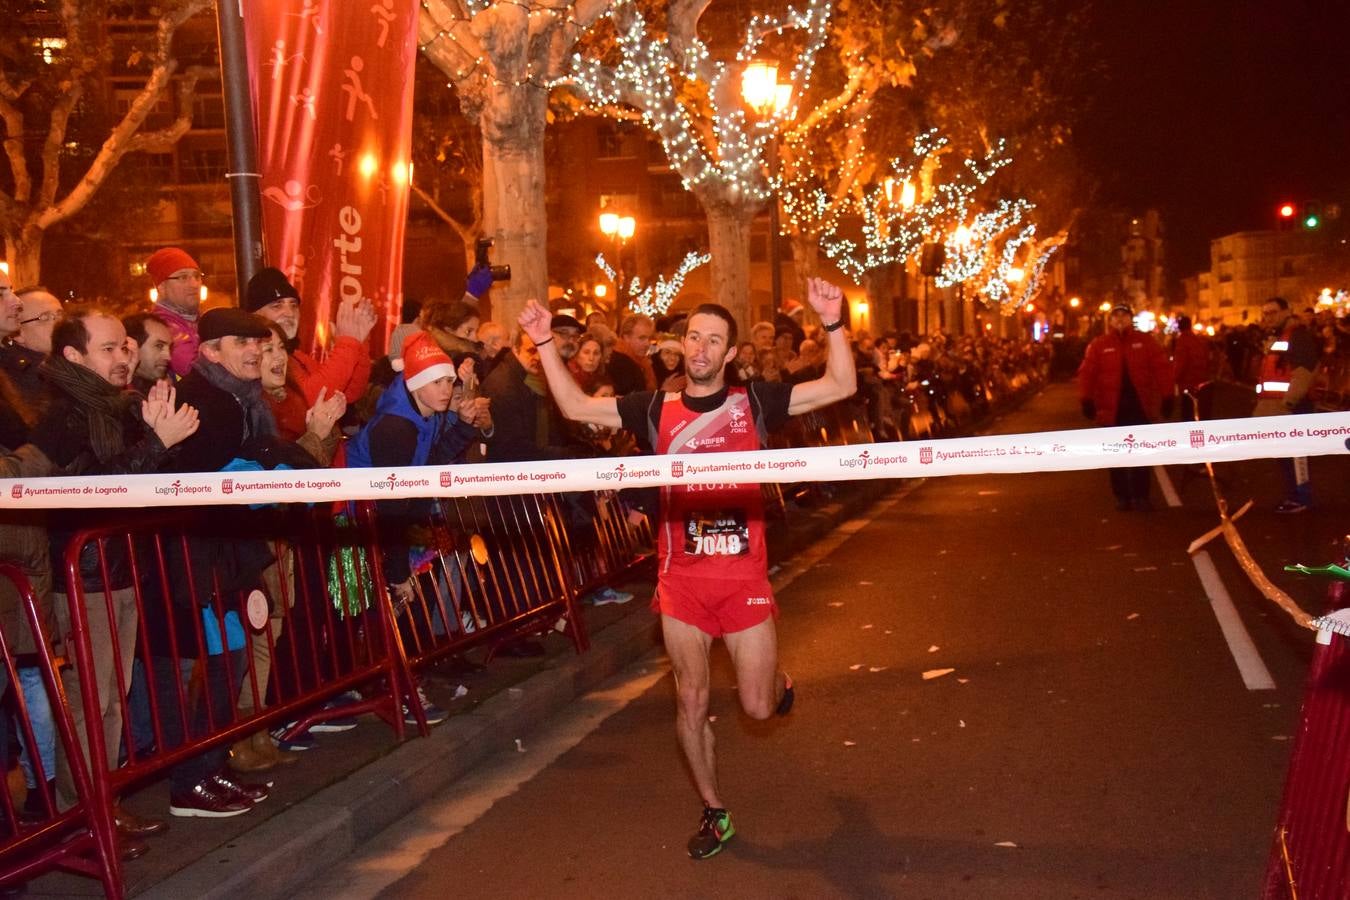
x=714 y=830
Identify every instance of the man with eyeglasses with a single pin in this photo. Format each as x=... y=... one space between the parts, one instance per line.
x=1288 y=370
x=17 y=361
x=178 y=286
x=41 y=309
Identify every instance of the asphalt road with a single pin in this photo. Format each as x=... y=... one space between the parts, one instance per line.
x=1094 y=737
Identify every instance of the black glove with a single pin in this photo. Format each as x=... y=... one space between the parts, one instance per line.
x=1168 y=404
x=1089 y=410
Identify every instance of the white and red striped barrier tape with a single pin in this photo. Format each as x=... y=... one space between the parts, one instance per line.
x=1171 y=443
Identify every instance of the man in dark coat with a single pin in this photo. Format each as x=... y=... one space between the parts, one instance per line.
x=93 y=425
x=526 y=420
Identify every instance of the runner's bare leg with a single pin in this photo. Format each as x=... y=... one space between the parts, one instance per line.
x=688 y=648
x=754 y=652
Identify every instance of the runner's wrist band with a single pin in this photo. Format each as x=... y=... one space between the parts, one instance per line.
x=836 y=326
x=543 y=342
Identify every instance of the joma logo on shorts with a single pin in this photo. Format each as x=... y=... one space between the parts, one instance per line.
x=757 y=601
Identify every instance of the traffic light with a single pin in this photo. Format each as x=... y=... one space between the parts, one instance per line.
x=1286 y=211
x=1311 y=216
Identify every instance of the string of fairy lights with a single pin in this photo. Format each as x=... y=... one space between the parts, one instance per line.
x=691 y=101
x=656 y=298
x=482 y=66
x=708 y=137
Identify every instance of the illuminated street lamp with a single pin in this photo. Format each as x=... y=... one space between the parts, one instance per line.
x=1075 y=302
x=960 y=240
x=619 y=229
x=769 y=99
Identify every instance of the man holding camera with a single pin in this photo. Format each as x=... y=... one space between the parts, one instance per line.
x=713 y=579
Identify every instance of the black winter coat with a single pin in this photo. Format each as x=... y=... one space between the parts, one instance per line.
x=223 y=434
x=64 y=429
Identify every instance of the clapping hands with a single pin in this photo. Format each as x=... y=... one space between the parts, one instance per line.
x=355 y=319
x=170 y=425
x=325 y=413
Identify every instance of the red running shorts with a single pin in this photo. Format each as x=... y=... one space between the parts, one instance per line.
x=715 y=606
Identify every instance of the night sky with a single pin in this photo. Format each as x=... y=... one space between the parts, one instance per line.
x=1215 y=111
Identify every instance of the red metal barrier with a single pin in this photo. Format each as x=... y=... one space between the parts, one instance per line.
x=81 y=838
x=499 y=567
x=1310 y=854
x=191 y=582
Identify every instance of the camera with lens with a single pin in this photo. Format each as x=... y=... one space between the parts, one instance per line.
x=480 y=258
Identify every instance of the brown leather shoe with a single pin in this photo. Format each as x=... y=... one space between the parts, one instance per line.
x=131 y=848
x=133 y=826
x=245 y=758
x=207 y=801
x=227 y=785
x=263 y=746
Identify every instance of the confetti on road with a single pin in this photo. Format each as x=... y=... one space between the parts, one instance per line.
x=936 y=673
x=865 y=627
x=1131 y=617
x=1005 y=844
x=460 y=691
x=878 y=668
x=963 y=681
x=836 y=604
x=1114 y=547
x=1280 y=737
x=520 y=747
x=850 y=743
x=865 y=583
x=855 y=667
x=712 y=718
x=961 y=722
x=934 y=648
x=990 y=493
x=888 y=631
x=1146 y=568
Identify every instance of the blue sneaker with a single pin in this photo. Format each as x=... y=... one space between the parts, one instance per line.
x=302 y=741
x=435 y=715
x=608 y=595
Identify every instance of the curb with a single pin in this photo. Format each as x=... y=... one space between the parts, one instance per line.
x=282 y=853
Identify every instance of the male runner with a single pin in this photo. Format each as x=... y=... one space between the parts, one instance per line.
x=713 y=568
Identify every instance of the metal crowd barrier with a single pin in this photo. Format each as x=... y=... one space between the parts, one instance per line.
x=496 y=567
x=207 y=626
x=1310 y=855
x=82 y=837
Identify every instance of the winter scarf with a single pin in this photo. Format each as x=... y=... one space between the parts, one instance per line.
x=107 y=406
x=257 y=414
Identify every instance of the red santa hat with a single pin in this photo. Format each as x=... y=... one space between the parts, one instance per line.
x=424 y=361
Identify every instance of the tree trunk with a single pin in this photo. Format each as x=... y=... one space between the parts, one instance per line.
x=729 y=244
x=805 y=260
x=877 y=285
x=24 y=255
x=513 y=197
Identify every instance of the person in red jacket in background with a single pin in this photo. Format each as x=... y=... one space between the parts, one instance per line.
x=346 y=367
x=1190 y=363
x=1126 y=379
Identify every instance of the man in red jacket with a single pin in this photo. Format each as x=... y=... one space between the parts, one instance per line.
x=346 y=367
x=1126 y=379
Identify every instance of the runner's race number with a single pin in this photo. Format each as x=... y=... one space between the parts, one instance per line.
x=721 y=532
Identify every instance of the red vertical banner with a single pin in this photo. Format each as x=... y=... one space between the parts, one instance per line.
x=332 y=88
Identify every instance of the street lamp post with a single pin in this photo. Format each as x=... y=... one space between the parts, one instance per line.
x=761 y=89
x=618 y=229
x=960 y=240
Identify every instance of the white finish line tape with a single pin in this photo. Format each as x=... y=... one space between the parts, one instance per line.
x=1170 y=443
